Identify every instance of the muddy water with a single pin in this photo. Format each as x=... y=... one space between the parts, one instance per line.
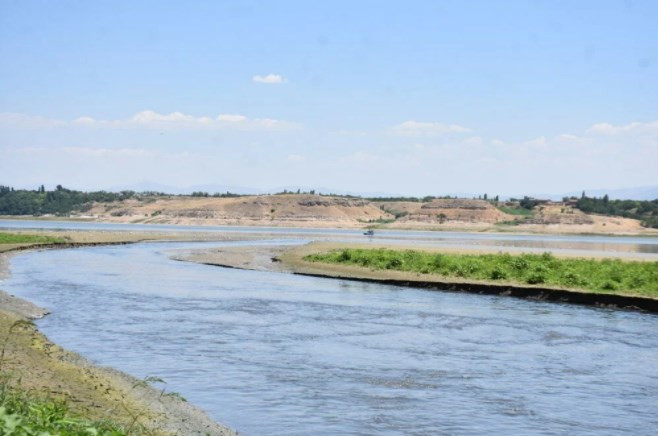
x=270 y=353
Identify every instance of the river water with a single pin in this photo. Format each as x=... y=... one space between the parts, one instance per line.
x=270 y=353
x=645 y=247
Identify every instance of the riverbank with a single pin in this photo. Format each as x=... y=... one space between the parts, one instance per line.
x=292 y=260
x=31 y=363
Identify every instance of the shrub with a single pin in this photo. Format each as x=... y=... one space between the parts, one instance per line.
x=497 y=274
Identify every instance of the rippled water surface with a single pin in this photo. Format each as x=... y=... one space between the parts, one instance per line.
x=270 y=353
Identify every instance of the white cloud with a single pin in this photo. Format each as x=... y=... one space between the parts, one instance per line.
x=231 y=118
x=270 y=79
x=146 y=117
x=152 y=119
x=10 y=119
x=635 y=127
x=417 y=128
x=84 y=120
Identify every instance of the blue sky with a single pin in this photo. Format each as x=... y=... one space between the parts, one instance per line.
x=403 y=97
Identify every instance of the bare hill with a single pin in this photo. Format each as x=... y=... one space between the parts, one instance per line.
x=440 y=211
x=305 y=210
x=293 y=210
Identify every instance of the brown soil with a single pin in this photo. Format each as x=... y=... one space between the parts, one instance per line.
x=304 y=210
x=265 y=210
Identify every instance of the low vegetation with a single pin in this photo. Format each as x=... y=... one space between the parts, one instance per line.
x=645 y=211
x=20 y=238
x=23 y=413
x=518 y=211
x=30 y=411
x=607 y=276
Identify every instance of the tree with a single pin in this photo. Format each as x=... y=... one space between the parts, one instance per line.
x=528 y=203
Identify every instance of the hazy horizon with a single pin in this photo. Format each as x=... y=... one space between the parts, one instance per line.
x=433 y=97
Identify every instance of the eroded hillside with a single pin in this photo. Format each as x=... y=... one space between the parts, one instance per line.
x=306 y=210
x=294 y=210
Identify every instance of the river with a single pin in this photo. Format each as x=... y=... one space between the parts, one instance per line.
x=271 y=353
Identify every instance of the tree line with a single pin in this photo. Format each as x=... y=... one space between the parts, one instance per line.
x=58 y=201
x=643 y=210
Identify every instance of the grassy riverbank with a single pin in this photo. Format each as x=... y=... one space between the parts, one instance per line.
x=23 y=412
x=604 y=276
x=21 y=238
x=45 y=389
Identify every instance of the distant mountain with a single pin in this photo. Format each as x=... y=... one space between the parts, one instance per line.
x=167 y=189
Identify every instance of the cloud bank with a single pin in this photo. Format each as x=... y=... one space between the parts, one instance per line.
x=152 y=119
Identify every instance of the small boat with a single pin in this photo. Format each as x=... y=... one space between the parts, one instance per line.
x=369 y=233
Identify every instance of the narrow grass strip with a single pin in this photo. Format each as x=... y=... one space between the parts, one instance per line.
x=612 y=276
x=22 y=238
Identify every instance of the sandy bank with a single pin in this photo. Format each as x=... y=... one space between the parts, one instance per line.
x=260 y=257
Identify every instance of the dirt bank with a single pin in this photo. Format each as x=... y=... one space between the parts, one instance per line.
x=33 y=363
x=36 y=364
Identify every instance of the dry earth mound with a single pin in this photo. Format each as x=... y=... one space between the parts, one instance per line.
x=293 y=209
x=440 y=211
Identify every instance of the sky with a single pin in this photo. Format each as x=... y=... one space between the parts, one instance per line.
x=399 y=97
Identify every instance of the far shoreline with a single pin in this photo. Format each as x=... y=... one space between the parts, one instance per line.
x=542 y=230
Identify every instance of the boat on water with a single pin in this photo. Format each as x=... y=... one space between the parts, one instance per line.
x=369 y=233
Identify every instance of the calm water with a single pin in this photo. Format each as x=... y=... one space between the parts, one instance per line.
x=633 y=246
x=270 y=353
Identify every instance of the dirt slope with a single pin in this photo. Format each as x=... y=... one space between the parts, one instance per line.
x=305 y=210
x=297 y=210
x=457 y=210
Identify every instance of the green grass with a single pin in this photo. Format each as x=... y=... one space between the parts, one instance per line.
x=20 y=238
x=606 y=276
x=21 y=413
x=519 y=211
